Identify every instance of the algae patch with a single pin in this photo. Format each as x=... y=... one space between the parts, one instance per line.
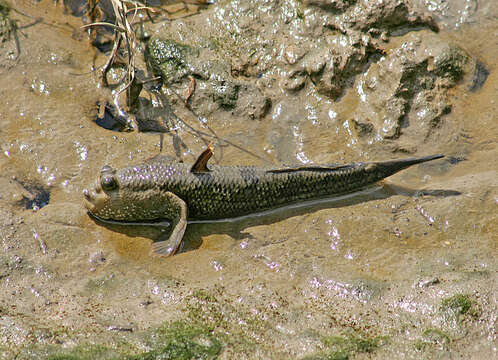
x=347 y=346
x=179 y=340
x=433 y=338
x=180 y=65
x=6 y=25
x=175 y=62
x=88 y=352
x=458 y=306
x=182 y=340
x=169 y=58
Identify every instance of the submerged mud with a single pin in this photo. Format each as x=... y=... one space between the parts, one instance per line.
x=403 y=270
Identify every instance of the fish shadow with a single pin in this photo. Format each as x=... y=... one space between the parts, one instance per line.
x=192 y=239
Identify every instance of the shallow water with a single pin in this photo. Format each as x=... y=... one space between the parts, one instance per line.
x=374 y=264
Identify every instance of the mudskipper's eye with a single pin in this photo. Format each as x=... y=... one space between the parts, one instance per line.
x=108 y=183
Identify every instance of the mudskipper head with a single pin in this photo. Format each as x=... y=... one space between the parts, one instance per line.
x=125 y=195
x=103 y=198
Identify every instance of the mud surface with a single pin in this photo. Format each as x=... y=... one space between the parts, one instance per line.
x=405 y=270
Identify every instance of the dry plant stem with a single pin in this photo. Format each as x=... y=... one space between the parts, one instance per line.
x=120 y=11
x=95 y=14
x=123 y=30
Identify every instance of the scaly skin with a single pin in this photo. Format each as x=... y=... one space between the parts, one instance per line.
x=158 y=188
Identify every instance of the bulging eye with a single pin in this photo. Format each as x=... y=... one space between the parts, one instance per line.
x=108 y=183
x=106 y=169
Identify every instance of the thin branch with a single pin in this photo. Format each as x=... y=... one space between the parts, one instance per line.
x=103 y=24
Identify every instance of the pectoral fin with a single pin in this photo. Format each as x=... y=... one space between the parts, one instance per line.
x=200 y=164
x=179 y=223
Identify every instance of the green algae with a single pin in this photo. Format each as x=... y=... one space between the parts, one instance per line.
x=344 y=347
x=206 y=310
x=451 y=63
x=458 y=306
x=202 y=307
x=168 y=58
x=85 y=352
x=182 y=340
x=206 y=329
x=7 y=26
x=4 y=9
x=4 y=18
x=175 y=62
x=433 y=338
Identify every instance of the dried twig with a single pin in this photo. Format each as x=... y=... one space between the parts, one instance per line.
x=124 y=34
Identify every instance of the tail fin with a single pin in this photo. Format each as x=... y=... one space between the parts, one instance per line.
x=391 y=167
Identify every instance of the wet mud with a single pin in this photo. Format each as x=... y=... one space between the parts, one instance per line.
x=406 y=269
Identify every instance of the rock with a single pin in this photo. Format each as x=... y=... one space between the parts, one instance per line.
x=377 y=16
x=332 y=66
x=215 y=87
x=293 y=53
x=251 y=104
x=333 y=6
x=169 y=59
x=408 y=89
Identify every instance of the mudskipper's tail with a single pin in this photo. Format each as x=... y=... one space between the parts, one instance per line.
x=384 y=169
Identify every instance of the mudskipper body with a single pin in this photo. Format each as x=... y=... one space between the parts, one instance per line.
x=160 y=190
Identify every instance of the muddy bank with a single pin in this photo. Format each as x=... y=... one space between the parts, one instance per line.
x=405 y=270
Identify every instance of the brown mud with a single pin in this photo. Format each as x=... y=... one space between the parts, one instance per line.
x=404 y=270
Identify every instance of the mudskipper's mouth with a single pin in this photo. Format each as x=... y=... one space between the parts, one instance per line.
x=94 y=199
x=88 y=200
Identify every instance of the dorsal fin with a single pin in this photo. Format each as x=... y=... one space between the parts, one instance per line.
x=330 y=167
x=200 y=165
